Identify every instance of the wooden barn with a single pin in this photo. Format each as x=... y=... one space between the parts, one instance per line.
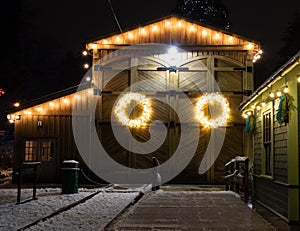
x=43 y=127
x=272 y=121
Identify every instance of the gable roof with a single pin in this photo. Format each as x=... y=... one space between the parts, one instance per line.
x=172 y=29
x=49 y=97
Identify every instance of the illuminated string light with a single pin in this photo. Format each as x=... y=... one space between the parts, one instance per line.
x=217 y=36
x=130 y=35
x=204 y=32
x=286 y=89
x=94 y=46
x=168 y=23
x=214 y=100
x=65 y=101
x=143 y=31
x=123 y=104
x=250 y=46
x=192 y=28
x=245 y=116
x=39 y=109
x=155 y=28
x=278 y=93
x=77 y=97
x=230 y=39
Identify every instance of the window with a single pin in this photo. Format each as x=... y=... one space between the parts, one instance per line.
x=267 y=142
x=39 y=149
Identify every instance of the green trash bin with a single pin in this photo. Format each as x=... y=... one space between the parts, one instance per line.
x=69 y=177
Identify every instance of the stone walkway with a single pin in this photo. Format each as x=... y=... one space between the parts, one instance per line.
x=189 y=210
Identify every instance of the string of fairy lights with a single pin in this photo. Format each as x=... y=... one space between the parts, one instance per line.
x=142 y=34
x=273 y=94
x=172 y=25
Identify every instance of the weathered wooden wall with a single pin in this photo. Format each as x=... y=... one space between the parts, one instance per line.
x=228 y=68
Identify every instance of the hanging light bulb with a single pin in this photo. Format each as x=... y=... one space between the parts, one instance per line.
x=298 y=78
x=272 y=95
x=86 y=65
x=84 y=53
x=286 y=89
x=278 y=93
x=94 y=46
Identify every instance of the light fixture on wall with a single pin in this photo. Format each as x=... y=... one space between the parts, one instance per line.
x=40 y=123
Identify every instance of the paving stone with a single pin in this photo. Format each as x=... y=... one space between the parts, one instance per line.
x=183 y=210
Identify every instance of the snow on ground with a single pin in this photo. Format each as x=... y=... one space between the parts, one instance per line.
x=88 y=215
x=94 y=214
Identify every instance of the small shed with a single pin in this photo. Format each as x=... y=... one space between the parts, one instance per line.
x=272 y=123
x=43 y=127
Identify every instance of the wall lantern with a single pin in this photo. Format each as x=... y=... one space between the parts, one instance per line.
x=40 y=123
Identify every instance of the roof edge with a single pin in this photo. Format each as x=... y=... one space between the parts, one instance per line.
x=48 y=97
x=294 y=59
x=228 y=32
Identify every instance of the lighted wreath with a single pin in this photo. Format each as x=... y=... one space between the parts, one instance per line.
x=123 y=104
x=214 y=100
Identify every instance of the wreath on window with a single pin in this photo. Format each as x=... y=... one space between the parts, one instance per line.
x=250 y=124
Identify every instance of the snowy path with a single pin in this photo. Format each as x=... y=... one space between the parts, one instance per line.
x=92 y=214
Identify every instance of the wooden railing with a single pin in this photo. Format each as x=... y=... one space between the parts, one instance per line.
x=237 y=176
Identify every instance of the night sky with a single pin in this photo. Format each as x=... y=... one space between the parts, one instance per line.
x=72 y=23
x=46 y=31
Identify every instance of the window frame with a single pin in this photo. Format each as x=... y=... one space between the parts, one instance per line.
x=267 y=144
x=39 y=150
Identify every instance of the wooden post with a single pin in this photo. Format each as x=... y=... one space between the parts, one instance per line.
x=19 y=184
x=246 y=182
x=34 y=182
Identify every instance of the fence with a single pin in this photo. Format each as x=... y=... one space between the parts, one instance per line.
x=237 y=176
